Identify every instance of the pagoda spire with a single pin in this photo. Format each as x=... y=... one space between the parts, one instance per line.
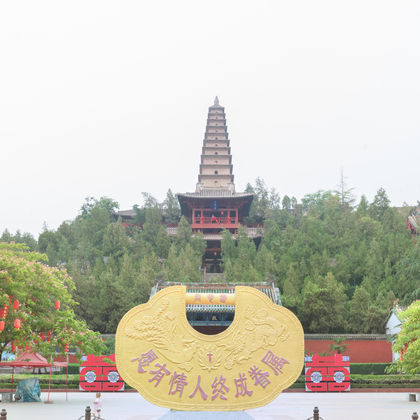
x=216 y=170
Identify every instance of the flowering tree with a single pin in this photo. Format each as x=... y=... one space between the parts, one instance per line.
x=408 y=340
x=36 y=307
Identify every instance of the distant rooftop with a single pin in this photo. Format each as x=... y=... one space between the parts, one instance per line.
x=267 y=288
x=216 y=192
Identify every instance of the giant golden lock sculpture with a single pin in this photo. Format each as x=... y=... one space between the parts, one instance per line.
x=246 y=366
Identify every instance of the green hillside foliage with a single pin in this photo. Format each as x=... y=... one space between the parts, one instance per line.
x=340 y=266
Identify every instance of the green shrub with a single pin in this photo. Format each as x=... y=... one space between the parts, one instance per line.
x=365 y=368
x=110 y=345
x=73 y=369
x=413 y=380
x=368 y=368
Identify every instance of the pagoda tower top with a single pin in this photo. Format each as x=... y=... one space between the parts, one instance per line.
x=216 y=169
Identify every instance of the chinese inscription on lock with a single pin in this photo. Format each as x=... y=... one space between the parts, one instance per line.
x=174 y=366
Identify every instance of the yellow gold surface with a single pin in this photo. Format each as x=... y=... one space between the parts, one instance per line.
x=174 y=366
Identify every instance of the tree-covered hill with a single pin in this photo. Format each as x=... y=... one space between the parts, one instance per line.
x=340 y=266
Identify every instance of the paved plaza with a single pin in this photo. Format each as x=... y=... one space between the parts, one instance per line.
x=288 y=406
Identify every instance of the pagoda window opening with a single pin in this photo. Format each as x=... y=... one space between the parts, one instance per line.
x=216 y=153
x=215 y=172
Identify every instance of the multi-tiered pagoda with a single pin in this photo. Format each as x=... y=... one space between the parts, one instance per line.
x=215 y=206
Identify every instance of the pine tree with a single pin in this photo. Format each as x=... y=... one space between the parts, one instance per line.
x=171 y=209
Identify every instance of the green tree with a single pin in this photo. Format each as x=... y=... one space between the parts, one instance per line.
x=322 y=306
x=163 y=243
x=229 y=250
x=183 y=233
x=407 y=341
x=144 y=279
x=264 y=203
x=344 y=193
x=198 y=244
x=291 y=296
x=286 y=203
x=90 y=227
x=380 y=205
x=407 y=274
x=113 y=298
x=19 y=238
x=152 y=225
x=115 y=241
x=363 y=207
x=25 y=277
x=358 y=310
x=183 y=264
x=171 y=209
x=338 y=347
x=149 y=201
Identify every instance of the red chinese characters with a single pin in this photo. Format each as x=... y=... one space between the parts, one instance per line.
x=144 y=360
x=241 y=387
x=330 y=373
x=159 y=373
x=179 y=384
x=204 y=396
x=219 y=388
x=259 y=377
x=274 y=362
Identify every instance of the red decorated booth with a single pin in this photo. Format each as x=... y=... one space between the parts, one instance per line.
x=327 y=373
x=99 y=374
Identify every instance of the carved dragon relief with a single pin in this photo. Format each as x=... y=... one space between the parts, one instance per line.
x=162 y=330
x=259 y=355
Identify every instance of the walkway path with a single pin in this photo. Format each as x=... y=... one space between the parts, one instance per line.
x=288 y=406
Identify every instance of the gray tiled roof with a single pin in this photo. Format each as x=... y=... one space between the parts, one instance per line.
x=129 y=213
x=215 y=192
x=266 y=287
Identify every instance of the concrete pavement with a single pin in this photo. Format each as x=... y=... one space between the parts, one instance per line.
x=288 y=406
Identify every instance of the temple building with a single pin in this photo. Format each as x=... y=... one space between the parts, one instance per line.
x=215 y=205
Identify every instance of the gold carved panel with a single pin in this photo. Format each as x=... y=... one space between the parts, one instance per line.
x=246 y=366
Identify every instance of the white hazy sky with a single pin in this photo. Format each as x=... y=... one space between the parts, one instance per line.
x=110 y=98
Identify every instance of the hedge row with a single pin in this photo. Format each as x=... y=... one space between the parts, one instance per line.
x=413 y=380
x=355 y=368
x=73 y=369
x=374 y=381
x=44 y=386
x=365 y=368
x=357 y=381
x=368 y=368
x=43 y=379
